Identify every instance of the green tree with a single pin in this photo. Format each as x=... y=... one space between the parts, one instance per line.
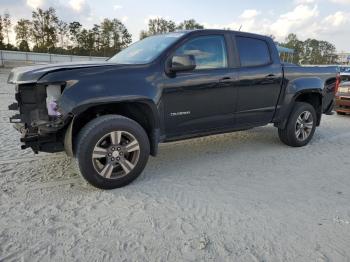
x=311 y=51
x=22 y=30
x=158 y=26
x=190 y=24
x=48 y=33
x=143 y=34
x=44 y=29
x=106 y=35
x=62 y=31
x=121 y=36
x=114 y=36
x=293 y=42
x=328 y=51
x=86 y=42
x=6 y=23
x=75 y=30
x=318 y=52
x=1 y=33
x=97 y=37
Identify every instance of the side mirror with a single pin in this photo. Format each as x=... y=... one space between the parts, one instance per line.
x=182 y=63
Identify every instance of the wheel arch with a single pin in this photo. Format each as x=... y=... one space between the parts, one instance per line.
x=314 y=99
x=142 y=111
x=312 y=96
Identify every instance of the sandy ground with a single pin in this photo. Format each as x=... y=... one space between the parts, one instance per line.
x=235 y=197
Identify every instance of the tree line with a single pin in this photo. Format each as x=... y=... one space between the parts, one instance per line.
x=45 y=32
x=310 y=51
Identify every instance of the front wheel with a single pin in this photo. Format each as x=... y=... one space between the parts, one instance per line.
x=112 y=151
x=300 y=127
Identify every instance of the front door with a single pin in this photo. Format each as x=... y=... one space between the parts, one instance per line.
x=203 y=99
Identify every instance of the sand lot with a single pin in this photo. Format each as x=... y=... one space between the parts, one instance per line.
x=235 y=197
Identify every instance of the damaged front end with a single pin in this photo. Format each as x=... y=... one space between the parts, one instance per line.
x=39 y=119
x=44 y=114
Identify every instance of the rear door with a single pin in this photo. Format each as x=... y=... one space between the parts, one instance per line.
x=259 y=81
x=203 y=99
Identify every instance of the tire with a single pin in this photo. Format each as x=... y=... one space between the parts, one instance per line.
x=112 y=151
x=300 y=127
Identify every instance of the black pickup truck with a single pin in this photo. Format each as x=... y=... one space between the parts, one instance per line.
x=112 y=115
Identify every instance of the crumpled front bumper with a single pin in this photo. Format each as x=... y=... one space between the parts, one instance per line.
x=44 y=138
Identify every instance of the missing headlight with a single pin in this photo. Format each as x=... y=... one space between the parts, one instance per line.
x=53 y=93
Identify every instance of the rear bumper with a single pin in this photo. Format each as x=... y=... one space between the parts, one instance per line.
x=342 y=104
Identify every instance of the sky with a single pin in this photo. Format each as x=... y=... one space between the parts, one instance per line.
x=321 y=19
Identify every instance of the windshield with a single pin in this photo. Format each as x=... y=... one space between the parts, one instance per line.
x=146 y=50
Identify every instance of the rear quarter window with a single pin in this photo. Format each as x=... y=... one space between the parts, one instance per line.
x=253 y=52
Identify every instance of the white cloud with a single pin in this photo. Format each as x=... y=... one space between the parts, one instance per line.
x=304 y=20
x=341 y=1
x=337 y=19
x=249 y=14
x=304 y=1
x=116 y=7
x=294 y=20
x=77 y=5
x=34 y=3
x=345 y=2
x=125 y=19
x=67 y=9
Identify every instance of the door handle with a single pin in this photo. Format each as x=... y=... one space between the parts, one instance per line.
x=225 y=80
x=270 y=76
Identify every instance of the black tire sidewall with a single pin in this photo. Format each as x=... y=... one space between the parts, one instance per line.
x=298 y=109
x=93 y=132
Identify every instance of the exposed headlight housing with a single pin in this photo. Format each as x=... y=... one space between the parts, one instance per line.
x=53 y=93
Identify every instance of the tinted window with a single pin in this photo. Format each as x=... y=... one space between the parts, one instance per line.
x=209 y=51
x=253 y=52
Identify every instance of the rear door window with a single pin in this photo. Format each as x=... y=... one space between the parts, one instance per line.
x=253 y=52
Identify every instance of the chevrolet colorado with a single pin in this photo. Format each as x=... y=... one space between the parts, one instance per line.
x=112 y=115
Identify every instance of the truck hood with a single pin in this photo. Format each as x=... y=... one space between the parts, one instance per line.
x=31 y=74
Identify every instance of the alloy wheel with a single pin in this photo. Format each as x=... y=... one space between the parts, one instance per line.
x=116 y=154
x=304 y=126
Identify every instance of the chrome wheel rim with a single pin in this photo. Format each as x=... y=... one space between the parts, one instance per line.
x=304 y=126
x=116 y=154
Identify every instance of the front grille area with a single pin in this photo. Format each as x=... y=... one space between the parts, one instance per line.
x=32 y=104
x=33 y=121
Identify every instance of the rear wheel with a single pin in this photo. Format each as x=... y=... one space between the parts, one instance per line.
x=112 y=151
x=301 y=126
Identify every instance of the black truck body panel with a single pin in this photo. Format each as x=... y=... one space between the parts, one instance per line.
x=183 y=105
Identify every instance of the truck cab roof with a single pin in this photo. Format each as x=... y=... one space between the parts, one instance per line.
x=221 y=31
